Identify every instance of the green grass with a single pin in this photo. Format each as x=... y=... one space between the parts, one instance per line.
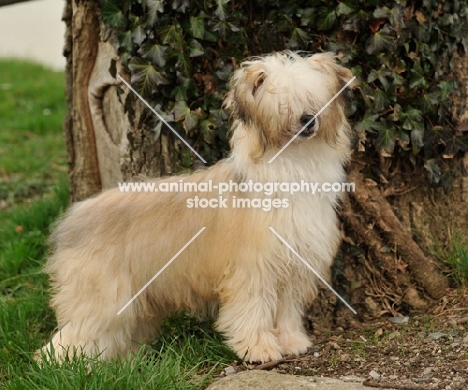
x=34 y=193
x=455 y=254
x=32 y=147
x=185 y=356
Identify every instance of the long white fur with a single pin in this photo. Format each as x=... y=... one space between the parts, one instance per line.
x=106 y=248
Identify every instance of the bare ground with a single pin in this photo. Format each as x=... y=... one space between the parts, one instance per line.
x=424 y=353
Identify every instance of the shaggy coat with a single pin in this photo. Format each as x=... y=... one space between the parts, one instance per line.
x=106 y=248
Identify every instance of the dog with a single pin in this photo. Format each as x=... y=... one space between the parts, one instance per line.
x=105 y=249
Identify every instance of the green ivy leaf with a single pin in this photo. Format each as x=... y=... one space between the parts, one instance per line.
x=394 y=15
x=183 y=64
x=191 y=120
x=380 y=74
x=381 y=12
x=383 y=40
x=309 y=17
x=448 y=178
x=179 y=93
x=224 y=29
x=219 y=117
x=298 y=37
x=417 y=135
x=429 y=101
x=196 y=48
x=126 y=41
x=138 y=35
x=197 y=27
x=225 y=72
x=154 y=7
x=211 y=36
x=156 y=54
x=145 y=76
x=413 y=114
x=172 y=35
x=369 y=122
x=446 y=88
x=344 y=9
x=417 y=80
x=386 y=141
x=125 y=58
x=112 y=15
x=454 y=145
x=433 y=169
x=380 y=101
x=354 y=22
x=397 y=79
x=221 y=9
x=180 y=5
x=403 y=140
x=327 y=19
x=181 y=110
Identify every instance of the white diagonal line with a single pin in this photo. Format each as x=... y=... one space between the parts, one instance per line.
x=314 y=117
x=313 y=270
x=160 y=117
x=161 y=270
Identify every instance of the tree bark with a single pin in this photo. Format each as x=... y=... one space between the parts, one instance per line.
x=82 y=38
x=376 y=207
x=106 y=136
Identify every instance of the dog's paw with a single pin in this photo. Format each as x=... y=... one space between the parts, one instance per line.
x=262 y=353
x=294 y=343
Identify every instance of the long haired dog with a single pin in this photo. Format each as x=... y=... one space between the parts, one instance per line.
x=105 y=249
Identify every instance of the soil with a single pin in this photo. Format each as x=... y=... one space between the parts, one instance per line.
x=425 y=353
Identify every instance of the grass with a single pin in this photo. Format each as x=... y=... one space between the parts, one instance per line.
x=33 y=193
x=32 y=148
x=455 y=255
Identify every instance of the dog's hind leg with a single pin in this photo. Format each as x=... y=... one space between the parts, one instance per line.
x=76 y=339
x=87 y=307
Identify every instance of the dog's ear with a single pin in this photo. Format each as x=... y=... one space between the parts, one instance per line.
x=258 y=82
x=327 y=62
x=255 y=75
x=249 y=78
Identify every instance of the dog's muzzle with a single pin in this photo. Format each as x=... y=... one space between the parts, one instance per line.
x=311 y=125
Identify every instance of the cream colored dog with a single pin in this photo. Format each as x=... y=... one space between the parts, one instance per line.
x=105 y=249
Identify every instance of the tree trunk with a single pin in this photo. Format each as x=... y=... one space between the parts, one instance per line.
x=383 y=267
x=107 y=140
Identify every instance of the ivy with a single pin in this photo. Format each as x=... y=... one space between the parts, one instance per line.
x=181 y=53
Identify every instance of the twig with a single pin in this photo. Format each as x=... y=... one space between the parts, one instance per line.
x=266 y=366
x=462 y=320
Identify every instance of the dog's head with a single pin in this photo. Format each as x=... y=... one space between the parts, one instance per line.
x=276 y=97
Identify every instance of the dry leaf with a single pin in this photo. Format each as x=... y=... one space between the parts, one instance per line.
x=398 y=69
x=420 y=17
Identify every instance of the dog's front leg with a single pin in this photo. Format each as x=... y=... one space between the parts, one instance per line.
x=247 y=313
x=292 y=336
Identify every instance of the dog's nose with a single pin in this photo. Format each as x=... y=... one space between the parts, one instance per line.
x=309 y=121
x=305 y=119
